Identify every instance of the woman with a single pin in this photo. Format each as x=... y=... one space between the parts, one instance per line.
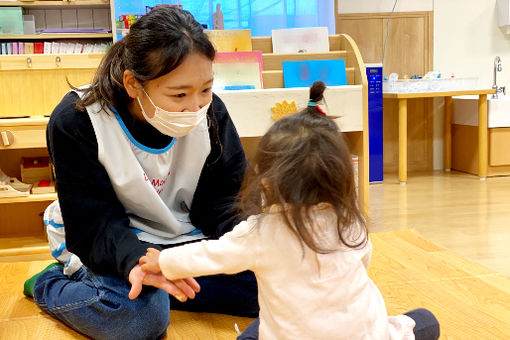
x=146 y=156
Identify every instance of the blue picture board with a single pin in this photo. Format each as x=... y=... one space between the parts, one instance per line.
x=303 y=73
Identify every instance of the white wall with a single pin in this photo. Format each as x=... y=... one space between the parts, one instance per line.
x=377 y=6
x=466 y=40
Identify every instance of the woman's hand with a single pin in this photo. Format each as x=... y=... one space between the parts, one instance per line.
x=181 y=289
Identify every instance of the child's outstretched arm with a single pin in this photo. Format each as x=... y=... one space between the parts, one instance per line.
x=234 y=252
x=150 y=262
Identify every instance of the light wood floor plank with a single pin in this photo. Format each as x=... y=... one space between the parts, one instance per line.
x=460 y=312
x=454 y=210
x=458 y=220
x=470 y=301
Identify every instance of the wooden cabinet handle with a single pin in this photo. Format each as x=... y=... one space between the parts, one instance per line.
x=7 y=138
x=29 y=62
x=58 y=60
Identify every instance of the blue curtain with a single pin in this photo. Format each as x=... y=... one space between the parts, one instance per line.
x=261 y=16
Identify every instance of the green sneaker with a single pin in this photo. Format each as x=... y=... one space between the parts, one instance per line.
x=28 y=287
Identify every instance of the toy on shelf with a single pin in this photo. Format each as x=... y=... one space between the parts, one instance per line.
x=433 y=81
x=12 y=187
x=43 y=187
x=35 y=169
x=218 y=23
x=38 y=172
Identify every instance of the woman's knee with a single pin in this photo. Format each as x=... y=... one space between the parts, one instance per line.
x=146 y=317
x=103 y=311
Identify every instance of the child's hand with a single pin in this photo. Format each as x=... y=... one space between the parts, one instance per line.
x=150 y=262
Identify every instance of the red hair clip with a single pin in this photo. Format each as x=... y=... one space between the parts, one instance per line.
x=320 y=110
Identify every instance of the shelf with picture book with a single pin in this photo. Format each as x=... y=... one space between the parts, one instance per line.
x=57 y=47
x=253 y=106
x=44 y=46
x=54 y=4
x=45 y=36
x=261 y=79
x=71 y=27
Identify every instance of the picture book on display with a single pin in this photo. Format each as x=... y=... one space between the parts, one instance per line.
x=230 y=40
x=237 y=70
x=300 y=40
x=304 y=73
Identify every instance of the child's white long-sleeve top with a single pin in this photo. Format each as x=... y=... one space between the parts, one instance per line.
x=302 y=294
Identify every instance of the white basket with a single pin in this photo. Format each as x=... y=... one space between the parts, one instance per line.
x=429 y=85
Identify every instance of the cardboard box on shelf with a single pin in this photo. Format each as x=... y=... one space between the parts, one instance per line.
x=11 y=20
x=43 y=187
x=35 y=169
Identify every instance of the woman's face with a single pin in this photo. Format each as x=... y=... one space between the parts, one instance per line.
x=187 y=88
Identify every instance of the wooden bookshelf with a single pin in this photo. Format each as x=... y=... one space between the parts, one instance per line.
x=23 y=246
x=29 y=199
x=56 y=36
x=246 y=107
x=21 y=216
x=44 y=79
x=43 y=4
x=31 y=86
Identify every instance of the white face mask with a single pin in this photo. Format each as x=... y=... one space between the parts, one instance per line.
x=174 y=124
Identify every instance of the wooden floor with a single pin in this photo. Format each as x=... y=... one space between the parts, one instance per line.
x=455 y=210
x=470 y=301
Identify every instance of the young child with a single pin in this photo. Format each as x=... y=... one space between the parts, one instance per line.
x=306 y=241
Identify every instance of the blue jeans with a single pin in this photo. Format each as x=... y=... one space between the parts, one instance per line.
x=98 y=305
x=427 y=326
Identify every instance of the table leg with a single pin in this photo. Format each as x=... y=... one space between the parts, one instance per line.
x=483 y=159
x=402 y=140
x=448 y=108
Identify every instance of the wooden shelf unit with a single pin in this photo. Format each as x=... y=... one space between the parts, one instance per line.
x=43 y=79
x=24 y=248
x=52 y=4
x=30 y=198
x=22 y=216
x=55 y=6
x=21 y=62
x=45 y=36
x=31 y=86
x=342 y=46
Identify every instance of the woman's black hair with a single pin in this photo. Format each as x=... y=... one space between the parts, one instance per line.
x=156 y=44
